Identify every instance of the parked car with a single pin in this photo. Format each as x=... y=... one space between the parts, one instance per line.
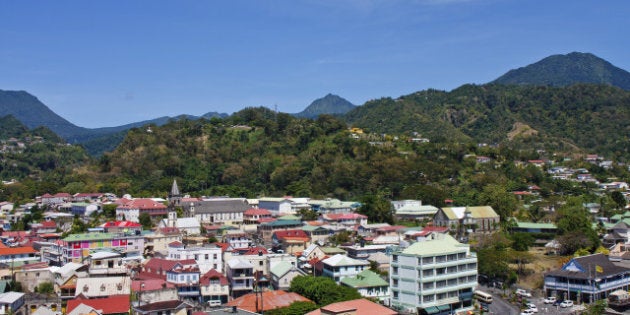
x=557 y=302
x=527 y=312
x=567 y=303
x=550 y=300
x=523 y=292
x=532 y=307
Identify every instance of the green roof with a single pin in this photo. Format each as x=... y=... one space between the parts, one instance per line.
x=289 y=217
x=281 y=268
x=310 y=228
x=442 y=244
x=89 y=237
x=332 y=250
x=365 y=278
x=532 y=225
x=283 y=223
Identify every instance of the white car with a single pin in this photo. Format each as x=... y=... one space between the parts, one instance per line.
x=550 y=300
x=566 y=303
x=532 y=307
x=524 y=293
x=527 y=312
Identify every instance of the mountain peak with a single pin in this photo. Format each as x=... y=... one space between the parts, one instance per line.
x=329 y=104
x=563 y=70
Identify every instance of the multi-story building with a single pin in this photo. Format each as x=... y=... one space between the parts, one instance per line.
x=207 y=257
x=215 y=287
x=76 y=247
x=587 y=278
x=158 y=242
x=237 y=239
x=265 y=230
x=437 y=275
x=240 y=274
x=11 y=255
x=340 y=266
x=283 y=206
x=132 y=209
x=105 y=263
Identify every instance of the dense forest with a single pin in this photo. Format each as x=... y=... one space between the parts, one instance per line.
x=258 y=152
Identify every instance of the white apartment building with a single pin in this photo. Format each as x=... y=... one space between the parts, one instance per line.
x=207 y=257
x=341 y=266
x=434 y=276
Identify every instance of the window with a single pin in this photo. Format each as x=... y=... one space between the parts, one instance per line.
x=196 y=256
x=428 y=298
x=214 y=256
x=395 y=282
x=260 y=263
x=395 y=295
x=395 y=258
x=395 y=270
x=207 y=256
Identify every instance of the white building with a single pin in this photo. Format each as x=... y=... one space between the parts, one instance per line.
x=340 y=266
x=240 y=274
x=189 y=226
x=207 y=257
x=436 y=275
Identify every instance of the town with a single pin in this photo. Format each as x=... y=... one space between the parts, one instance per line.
x=220 y=255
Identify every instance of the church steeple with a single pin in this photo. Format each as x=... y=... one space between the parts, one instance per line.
x=174 y=189
x=174 y=197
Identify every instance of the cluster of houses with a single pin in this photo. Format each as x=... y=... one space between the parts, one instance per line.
x=240 y=256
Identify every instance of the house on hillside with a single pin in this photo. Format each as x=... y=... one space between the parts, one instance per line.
x=477 y=219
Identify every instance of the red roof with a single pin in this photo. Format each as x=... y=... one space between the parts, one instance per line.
x=390 y=228
x=291 y=235
x=150 y=285
x=213 y=274
x=254 y=211
x=344 y=216
x=263 y=220
x=49 y=224
x=121 y=224
x=17 y=250
x=430 y=229
x=360 y=306
x=91 y=195
x=143 y=203
x=175 y=244
x=253 y=250
x=223 y=246
x=114 y=304
x=272 y=300
x=158 y=265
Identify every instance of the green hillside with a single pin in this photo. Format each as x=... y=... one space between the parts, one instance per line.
x=564 y=70
x=329 y=104
x=583 y=117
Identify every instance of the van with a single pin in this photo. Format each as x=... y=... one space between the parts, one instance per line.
x=214 y=303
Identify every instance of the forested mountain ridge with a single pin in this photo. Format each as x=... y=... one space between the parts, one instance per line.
x=35 y=154
x=587 y=117
x=563 y=70
x=329 y=104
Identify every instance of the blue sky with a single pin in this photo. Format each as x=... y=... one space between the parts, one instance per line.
x=108 y=63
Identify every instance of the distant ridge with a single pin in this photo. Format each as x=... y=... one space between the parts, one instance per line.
x=329 y=104
x=563 y=70
x=31 y=112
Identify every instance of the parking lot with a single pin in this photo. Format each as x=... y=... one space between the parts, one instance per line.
x=502 y=306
